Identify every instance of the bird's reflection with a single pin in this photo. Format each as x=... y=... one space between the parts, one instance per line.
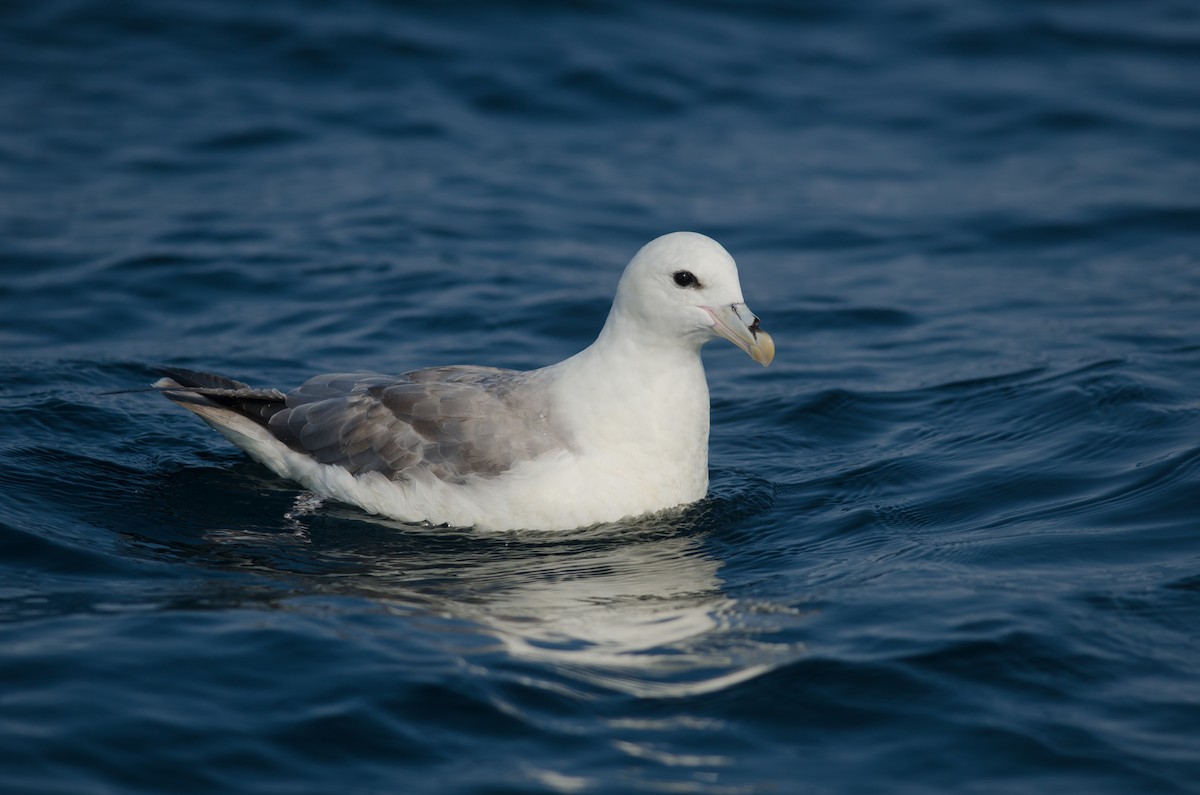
x=639 y=609
x=638 y=617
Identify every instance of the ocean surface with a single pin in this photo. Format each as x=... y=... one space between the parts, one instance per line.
x=952 y=543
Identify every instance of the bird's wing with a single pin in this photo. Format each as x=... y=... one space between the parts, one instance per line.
x=453 y=422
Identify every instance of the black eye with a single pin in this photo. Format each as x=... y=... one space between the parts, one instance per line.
x=686 y=279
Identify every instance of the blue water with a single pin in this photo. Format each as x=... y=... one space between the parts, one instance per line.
x=952 y=543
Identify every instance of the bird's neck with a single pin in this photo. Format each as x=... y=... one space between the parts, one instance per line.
x=643 y=392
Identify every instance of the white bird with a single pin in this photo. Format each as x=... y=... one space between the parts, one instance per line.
x=618 y=430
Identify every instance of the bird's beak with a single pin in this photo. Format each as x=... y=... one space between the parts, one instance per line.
x=736 y=323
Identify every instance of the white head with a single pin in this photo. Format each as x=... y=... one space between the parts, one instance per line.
x=684 y=286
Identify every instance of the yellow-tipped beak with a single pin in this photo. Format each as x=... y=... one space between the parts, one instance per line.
x=738 y=324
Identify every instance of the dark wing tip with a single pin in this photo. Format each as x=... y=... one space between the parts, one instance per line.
x=199 y=380
x=191 y=386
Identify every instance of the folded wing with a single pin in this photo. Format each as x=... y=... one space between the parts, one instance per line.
x=455 y=423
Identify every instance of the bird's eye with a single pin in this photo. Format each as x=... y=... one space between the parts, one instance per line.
x=686 y=279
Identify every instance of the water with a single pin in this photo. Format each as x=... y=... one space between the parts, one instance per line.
x=952 y=541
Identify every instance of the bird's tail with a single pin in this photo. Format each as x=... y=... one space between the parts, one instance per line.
x=202 y=392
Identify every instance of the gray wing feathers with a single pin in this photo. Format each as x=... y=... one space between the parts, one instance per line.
x=453 y=422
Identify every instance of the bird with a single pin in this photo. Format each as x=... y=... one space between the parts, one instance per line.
x=616 y=432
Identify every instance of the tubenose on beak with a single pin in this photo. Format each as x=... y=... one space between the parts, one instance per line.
x=736 y=323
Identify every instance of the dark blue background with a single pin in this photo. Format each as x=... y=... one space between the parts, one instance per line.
x=953 y=540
